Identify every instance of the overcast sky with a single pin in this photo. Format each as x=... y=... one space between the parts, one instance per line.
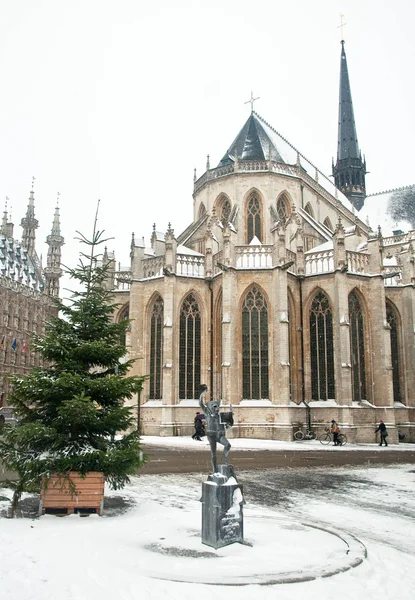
x=121 y=99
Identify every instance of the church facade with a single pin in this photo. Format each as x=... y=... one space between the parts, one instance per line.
x=282 y=296
x=27 y=290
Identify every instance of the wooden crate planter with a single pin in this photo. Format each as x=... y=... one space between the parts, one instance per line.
x=60 y=498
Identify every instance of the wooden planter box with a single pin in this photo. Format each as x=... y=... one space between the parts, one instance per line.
x=73 y=494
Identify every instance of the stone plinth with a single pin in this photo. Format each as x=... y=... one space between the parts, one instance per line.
x=222 y=502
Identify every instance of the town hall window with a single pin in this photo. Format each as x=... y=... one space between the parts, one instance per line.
x=254 y=346
x=189 y=350
x=156 y=349
x=253 y=218
x=357 y=348
x=321 y=349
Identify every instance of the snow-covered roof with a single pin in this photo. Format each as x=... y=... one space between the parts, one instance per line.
x=187 y=251
x=375 y=213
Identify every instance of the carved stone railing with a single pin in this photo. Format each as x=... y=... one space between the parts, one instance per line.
x=253 y=165
x=153 y=267
x=319 y=262
x=357 y=262
x=291 y=257
x=253 y=257
x=122 y=280
x=403 y=238
x=217 y=258
x=396 y=275
x=190 y=266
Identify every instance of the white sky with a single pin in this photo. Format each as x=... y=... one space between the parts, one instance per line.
x=121 y=99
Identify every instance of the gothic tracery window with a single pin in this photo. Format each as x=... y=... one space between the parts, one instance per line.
x=124 y=315
x=357 y=348
x=282 y=208
x=309 y=209
x=226 y=211
x=254 y=218
x=156 y=349
x=392 y=320
x=254 y=346
x=321 y=349
x=189 y=351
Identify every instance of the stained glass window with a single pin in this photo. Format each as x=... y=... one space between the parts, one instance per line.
x=391 y=318
x=156 y=349
x=357 y=348
x=123 y=316
x=189 y=352
x=254 y=346
x=321 y=349
x=226 y=211
x=254 y=218
x=282 y=209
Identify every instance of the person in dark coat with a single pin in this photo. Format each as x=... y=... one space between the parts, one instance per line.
x=335 y=430
x=199 y=427
x=383 y=433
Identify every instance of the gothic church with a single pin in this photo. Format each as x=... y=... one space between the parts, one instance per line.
x=290 y=295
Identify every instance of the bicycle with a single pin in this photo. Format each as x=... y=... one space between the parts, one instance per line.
x=308 y=434
x=327 y=437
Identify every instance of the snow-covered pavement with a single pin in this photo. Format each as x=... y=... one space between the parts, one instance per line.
x=151 y=529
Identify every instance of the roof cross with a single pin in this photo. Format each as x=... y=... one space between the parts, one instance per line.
x=251 y=101
x=342 y=24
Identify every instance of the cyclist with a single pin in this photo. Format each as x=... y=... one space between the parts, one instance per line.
x=335 y=430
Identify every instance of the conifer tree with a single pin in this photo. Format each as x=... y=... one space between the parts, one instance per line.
x=69 y=411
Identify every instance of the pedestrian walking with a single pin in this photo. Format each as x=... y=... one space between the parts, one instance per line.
x=383 y=433
x=335 y=430
x=199 y=427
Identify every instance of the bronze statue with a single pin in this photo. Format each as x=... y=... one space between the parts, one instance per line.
x=216 y=425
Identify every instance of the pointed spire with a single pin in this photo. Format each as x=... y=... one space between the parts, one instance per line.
x=349 y=171
x=29 y=223
x=194 y=175
x=208 y=163
x=347 y=144
x=4 y=220
x=55 y=242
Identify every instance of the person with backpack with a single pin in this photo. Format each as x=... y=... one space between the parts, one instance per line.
x=383 y=433
x=335 y=430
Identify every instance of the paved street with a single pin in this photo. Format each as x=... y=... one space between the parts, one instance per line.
x=164 y=460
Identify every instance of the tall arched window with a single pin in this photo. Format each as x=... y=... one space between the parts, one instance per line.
x=283 y=209
x=357 y=348
x=309 y=209
x=124 y=315
x=156 y=349
x=253 y=218
x=189 y=351
x=202 y=210
x=321 y=349
x=392 y=320
x=254 y=346
x=328 y=224
x=226 y=211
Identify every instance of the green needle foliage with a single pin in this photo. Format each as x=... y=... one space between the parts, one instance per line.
x=69 y=411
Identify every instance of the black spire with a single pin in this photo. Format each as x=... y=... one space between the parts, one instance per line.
x=349 y=171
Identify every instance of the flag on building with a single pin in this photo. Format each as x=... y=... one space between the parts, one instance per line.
x=24 y=348
x=14 y=345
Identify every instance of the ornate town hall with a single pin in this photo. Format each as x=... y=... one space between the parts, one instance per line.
x=290 y=296
x=27 y=291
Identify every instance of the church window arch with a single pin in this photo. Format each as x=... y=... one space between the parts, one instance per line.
x=254 y=345
x=202 y=210
x=357 y=347
x=309 y=209
x=156 y=349
x=283 y=207
x=253 y=218
x=392 y=319
x=321 y=348
x=123 y=316
x=328 y=224
x=225 y=211
x=189 y=348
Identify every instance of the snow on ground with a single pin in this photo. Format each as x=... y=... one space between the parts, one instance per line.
x=116 y=556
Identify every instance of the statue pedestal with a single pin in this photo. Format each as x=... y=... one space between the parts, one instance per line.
x=222 y=501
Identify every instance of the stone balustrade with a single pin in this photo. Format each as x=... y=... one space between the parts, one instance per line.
x=319 y=262
x=253 y=257
x=357 y=262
